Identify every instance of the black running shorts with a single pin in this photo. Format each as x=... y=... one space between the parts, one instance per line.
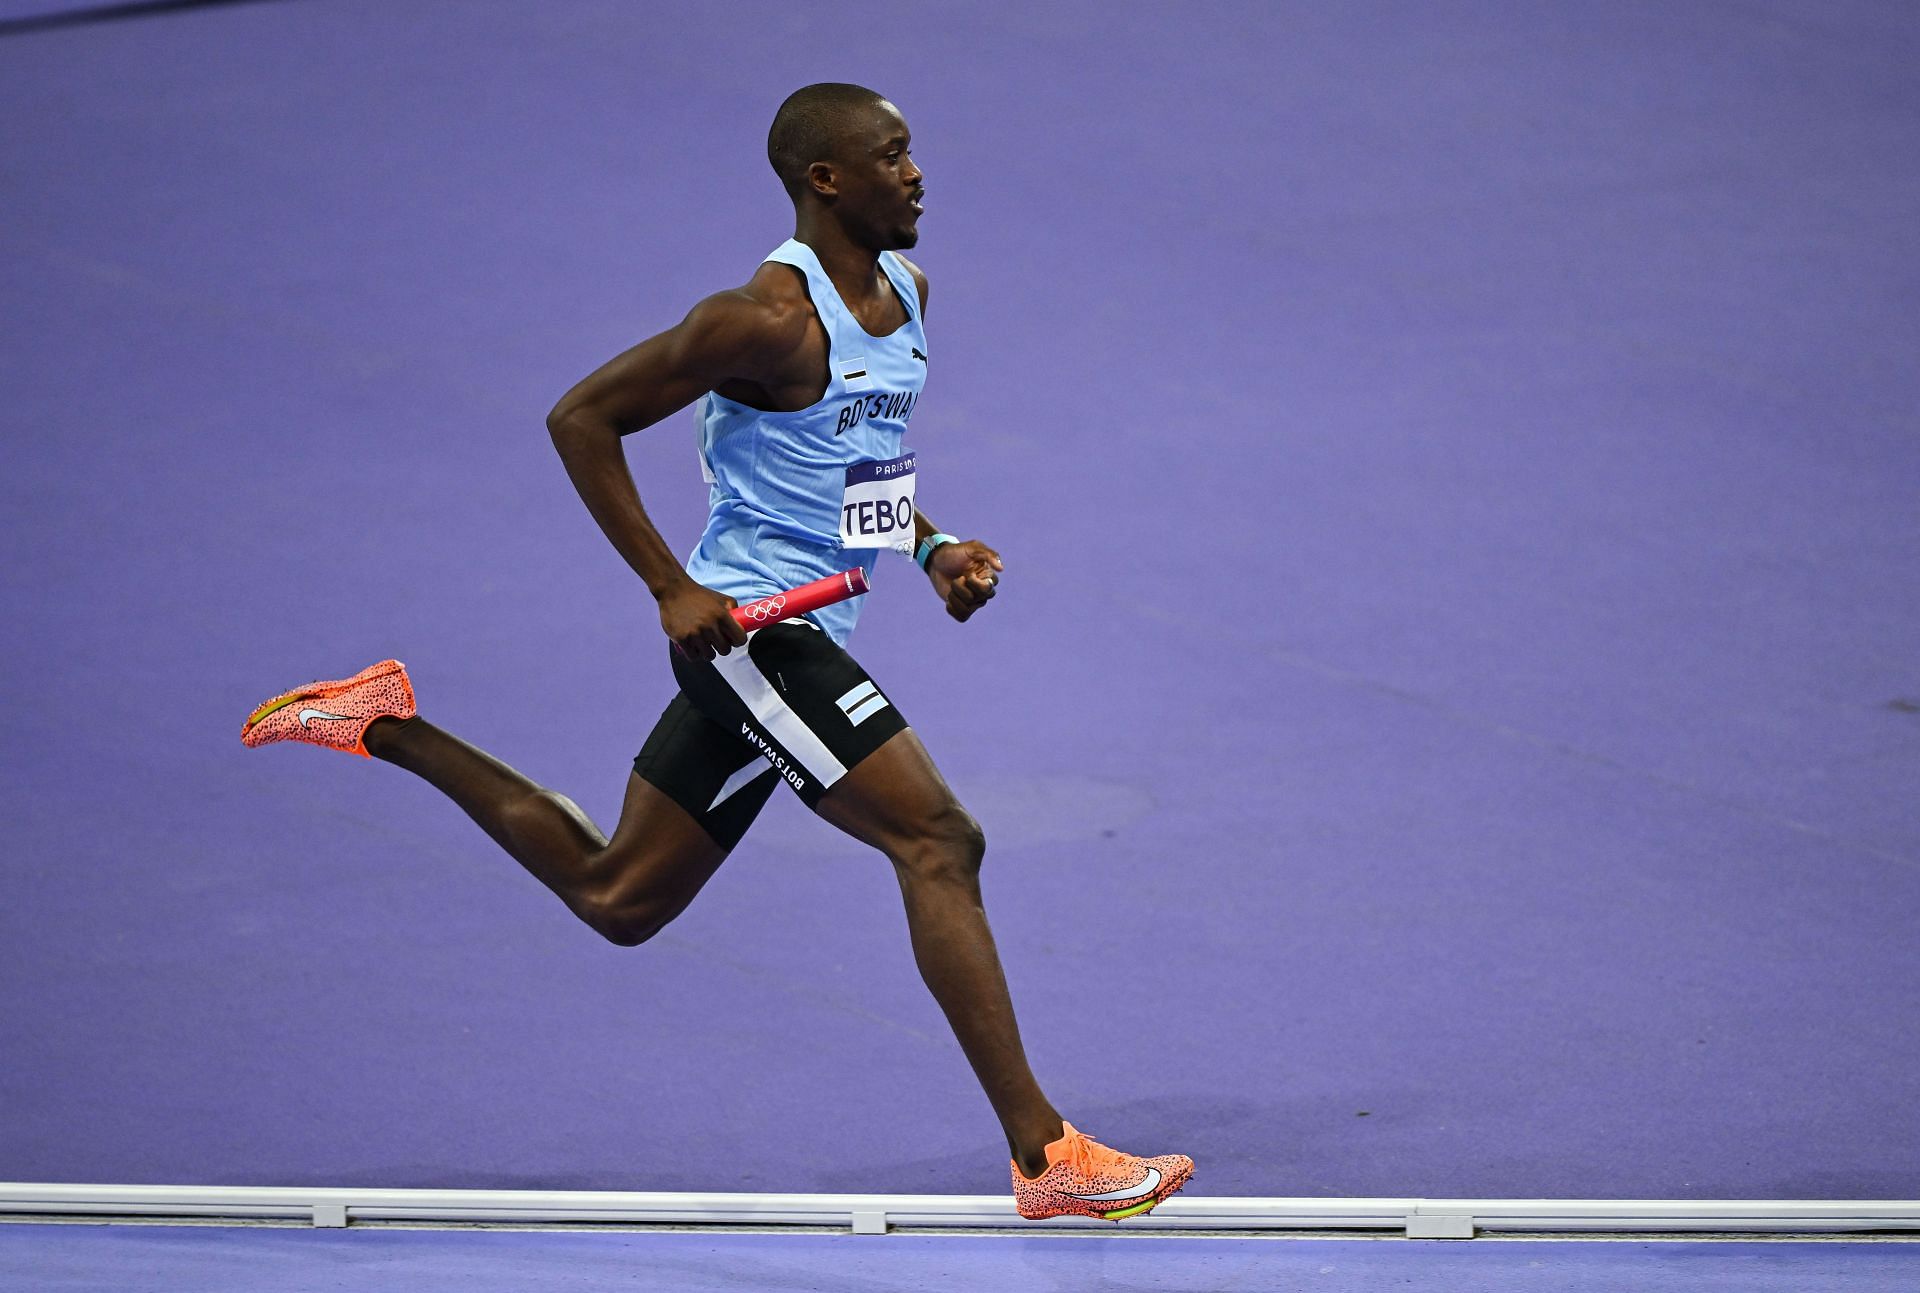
x=791 y=706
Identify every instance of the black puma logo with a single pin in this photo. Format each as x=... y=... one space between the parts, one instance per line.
x=917 y=355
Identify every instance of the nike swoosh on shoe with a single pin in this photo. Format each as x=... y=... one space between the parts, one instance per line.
x=309 y=714
x=1147 y=1186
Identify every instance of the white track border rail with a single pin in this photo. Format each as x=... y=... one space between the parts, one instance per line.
x=878 y=1213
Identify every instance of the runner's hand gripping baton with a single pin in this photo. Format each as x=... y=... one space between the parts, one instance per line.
x=798 y=601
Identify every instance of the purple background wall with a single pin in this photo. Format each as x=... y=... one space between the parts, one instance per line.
x=1457 y=469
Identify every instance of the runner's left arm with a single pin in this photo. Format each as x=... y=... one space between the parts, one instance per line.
x=964 y=574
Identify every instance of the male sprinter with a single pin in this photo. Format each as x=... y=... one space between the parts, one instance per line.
x=807 y=377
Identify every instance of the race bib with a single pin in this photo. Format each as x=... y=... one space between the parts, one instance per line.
x=877 y=509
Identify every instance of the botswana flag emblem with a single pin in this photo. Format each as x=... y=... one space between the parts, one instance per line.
x=854 y=373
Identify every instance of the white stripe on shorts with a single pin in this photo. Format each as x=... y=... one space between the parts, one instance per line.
x=780 y=722
x=748 y=772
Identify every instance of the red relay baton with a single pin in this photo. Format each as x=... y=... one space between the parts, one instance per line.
x=798 y=601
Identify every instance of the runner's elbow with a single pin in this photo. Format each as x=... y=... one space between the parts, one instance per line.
x=563 y=423
x=576 y=434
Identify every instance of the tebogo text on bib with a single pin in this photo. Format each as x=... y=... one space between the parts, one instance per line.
x=877 y=509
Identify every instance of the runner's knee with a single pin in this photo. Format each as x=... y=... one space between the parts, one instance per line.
x=624 y=923
x=627 y=913
x=949 y=845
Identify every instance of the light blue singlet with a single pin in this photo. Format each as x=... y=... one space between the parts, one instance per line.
x=781 y=481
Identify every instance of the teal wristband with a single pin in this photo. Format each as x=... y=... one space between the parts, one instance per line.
x=928 y=544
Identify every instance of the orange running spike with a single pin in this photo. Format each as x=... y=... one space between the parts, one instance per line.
x=1086 y=1179
x=333 y=714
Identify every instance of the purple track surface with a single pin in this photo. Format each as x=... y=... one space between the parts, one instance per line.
x=1453 y=723
x=57 y=1259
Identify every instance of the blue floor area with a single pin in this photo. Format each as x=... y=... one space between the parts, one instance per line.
x=151 y=1259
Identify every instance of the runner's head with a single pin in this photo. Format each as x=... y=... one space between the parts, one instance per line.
x=842 y=150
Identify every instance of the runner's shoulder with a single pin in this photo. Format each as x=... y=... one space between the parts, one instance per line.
x=919 y=279
x=767 y=319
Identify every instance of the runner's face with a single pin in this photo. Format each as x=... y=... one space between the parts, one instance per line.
x=880 y=187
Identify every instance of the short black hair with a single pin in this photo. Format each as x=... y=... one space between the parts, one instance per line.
x=808 y=125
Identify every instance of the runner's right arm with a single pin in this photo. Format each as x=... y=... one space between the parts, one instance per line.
x=731 y=337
